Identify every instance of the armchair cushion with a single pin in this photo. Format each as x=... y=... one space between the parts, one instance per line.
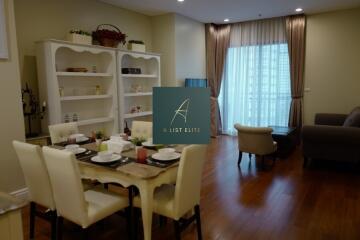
x=353 y=120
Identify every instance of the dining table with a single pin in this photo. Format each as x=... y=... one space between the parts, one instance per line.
x=145 y=176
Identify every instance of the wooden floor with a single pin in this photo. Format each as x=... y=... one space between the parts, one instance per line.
x=283 y=202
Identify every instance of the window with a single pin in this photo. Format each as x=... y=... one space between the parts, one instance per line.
x=256 y=87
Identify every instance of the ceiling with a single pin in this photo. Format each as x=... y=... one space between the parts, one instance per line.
x=236 y=10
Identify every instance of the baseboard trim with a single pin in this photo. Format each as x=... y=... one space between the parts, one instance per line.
x=22 y=193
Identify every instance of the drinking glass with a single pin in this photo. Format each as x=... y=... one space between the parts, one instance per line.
x=141 y=155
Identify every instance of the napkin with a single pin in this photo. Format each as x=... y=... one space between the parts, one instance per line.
x=116 y=139
x=118 y=146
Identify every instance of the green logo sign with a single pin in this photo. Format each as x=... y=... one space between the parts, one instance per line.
x=181 y=115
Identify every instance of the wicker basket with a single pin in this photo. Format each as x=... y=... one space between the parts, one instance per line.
x=107 y=42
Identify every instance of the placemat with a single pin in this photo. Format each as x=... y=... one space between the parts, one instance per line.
x=128 y=165
x=142 y=170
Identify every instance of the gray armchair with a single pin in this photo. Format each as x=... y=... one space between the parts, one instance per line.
x=329 y=139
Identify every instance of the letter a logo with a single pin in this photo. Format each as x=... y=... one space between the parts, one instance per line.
x=181 y=111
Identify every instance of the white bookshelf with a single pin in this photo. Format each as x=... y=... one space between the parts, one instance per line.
x=95 y=111
x=135 y=115
x=138 y=94
x=139 y=75
x=95 y=121
x=83 y=74
x=149 y=63
x=85 y=97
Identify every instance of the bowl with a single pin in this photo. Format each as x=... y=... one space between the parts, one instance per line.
x=78 y=136
x=72 y=147
x=166 y=152
x=105 y=155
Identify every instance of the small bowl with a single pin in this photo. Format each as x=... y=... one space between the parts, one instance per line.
x=105 y=155
x=78 y=136
x=72 y=147
x=166 y=152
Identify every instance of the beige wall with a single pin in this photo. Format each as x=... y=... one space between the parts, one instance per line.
x=332 y=63
x=11 y=125
x=189 y=49
x=163 y=38
x=38 y=19
x=181 y=42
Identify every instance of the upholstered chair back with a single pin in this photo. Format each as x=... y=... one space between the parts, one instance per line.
x=188 y=182
x=60 y=132
x=66 y=183
x=35 y=173
x=256 y=140
x=141 y=129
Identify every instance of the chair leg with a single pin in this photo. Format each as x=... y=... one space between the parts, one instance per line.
x=53 y=220
x=59 y=227
x=240 y=156
x=306 y=160
x=32 y=219
x=274 y=159
x=177 y=230
x=263 y=161
x=84 y=234
x=136 y=223
x=198 y=221
x=162 y=220
x=130 y=215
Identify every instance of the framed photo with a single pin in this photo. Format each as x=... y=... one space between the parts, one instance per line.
x=4 y=54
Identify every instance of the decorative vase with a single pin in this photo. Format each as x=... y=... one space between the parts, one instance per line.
x=79 y=38
x=136 y=47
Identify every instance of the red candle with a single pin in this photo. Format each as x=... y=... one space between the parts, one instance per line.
x=141 y=155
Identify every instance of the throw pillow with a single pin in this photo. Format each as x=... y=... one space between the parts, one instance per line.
x=353 y=119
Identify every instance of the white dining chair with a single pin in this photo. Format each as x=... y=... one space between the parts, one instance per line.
x=141 y=129
x=38 y=183
x=176 y=201
x=72 y=203
x=255 y=140
x=60 y=132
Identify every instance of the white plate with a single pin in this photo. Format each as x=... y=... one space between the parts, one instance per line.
x=83 y=139
x=114 y=158
x=78 y=151
x=149 y=144
x=159 y=157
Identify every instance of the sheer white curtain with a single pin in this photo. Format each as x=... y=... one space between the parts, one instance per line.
x=256 y=82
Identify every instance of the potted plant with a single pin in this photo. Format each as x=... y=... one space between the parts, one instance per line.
x=107 y=37
x=136 y=45
x=99 y=137
x=137 y=141
x=79 y=36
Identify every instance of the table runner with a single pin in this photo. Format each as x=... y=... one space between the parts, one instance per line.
x=130 y=167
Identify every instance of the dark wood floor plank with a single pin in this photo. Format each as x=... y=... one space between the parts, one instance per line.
x=281 y=202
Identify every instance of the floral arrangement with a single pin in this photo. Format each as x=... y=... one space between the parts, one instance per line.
x=137 y=141
x=137 y=42
x=80 y=32
x=99 y=135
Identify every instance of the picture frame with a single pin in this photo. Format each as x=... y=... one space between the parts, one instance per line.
x=4 y=53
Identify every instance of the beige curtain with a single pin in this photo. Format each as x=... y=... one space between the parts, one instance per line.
x=295 y=33
x=217 y=44
x=259 y=32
